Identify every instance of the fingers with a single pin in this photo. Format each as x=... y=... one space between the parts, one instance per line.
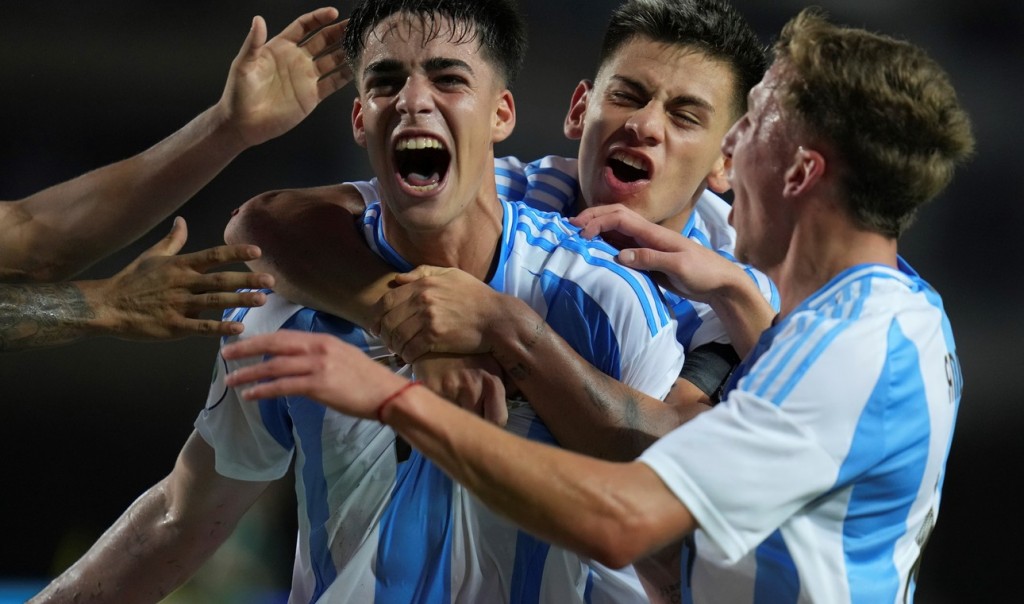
x=204 y=260
x=225 y=281
x=284 y=341
x=255 y=39
x=493 y=403
x=276 y=367
x=420 y=272
x=308 y=24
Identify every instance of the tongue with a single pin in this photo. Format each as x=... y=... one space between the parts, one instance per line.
x=420 y=180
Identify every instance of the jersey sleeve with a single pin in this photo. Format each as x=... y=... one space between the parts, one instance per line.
x=776 y=446
x=548 y=184
x=251 y=440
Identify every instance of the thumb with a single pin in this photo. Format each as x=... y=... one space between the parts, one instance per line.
x=173 y=242
x=255 y=40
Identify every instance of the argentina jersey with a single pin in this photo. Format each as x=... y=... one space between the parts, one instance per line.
x=552 y=183
x=380 y=525
x=839 y=423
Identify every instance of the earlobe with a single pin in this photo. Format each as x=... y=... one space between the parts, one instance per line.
x=573 y=127
x=504 y=117
x=358 y=133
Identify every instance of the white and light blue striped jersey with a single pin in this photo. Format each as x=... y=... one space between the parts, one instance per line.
x=551 y=183
x=377 y=527
x=829 y=450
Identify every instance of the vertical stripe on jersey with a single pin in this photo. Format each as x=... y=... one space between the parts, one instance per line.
x=777 y=581
x=308 y=418
x=891 y=429
x=581 y=321
x=407 y=570
x=531 y=553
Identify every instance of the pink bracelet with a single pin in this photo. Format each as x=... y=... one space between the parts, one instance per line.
x=394 y=395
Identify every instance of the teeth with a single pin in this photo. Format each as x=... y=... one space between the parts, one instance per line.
x=629 y=160
x=419 y=142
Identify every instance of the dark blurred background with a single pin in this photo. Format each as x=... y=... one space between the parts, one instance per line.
x=88 y=427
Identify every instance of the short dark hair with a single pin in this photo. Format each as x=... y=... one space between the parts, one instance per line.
x=886 y=108
x=496 y=25
x=713 y=27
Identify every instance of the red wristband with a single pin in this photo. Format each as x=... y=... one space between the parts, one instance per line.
x=394 y=395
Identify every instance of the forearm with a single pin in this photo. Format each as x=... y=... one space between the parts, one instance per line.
x=33 y=316
x=611 y=512
x=743 y=311
x=75 y=223
x=143 y=557
x=585 y=409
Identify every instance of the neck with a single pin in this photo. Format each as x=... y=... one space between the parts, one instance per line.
x=467 y=242
x=821 y=249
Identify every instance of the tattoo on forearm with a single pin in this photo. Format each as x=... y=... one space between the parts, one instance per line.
x=41 y=315
x=520 y=371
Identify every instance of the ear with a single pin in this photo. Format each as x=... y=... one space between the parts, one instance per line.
x=358 y=132
x=718 y=179
x=806 y=171
x=573 y=127
x=504 y=117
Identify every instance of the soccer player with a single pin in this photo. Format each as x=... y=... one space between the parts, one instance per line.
x=819 y=477
x=56 y=233
x=378 y=522
x=673 y=76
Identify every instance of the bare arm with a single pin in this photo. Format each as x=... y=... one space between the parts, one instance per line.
x=163 y=538
x=312 y=247
x=158 y=296
x=612 y=512
x=271 y=87
x=444 y=310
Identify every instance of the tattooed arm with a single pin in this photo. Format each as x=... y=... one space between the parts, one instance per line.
x=158 y=296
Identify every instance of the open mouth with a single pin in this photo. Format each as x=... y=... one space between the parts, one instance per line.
x=422 y=162
x=628 y=168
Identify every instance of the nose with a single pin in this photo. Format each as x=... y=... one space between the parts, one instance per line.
x=415 y=97
x=729 y=141
x=647 y=124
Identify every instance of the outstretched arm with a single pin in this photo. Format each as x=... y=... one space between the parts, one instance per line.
x=271 y=87
x=158 y=296
x=612 y=512
x=163 y=538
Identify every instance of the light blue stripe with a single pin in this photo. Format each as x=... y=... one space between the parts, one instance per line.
x=414 y=554
x=686 y=317
x=891 y=444
x=785 y=354
x=655 y=321
x=582 y=323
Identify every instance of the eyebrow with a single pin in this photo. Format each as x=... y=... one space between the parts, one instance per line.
x=433 y=64
x=684 y=99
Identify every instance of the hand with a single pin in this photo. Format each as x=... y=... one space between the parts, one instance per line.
x=272 y=86
x=472 y=382
x=686 y=267
x=317 y=366
x=439 y=310
x=160 y=295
